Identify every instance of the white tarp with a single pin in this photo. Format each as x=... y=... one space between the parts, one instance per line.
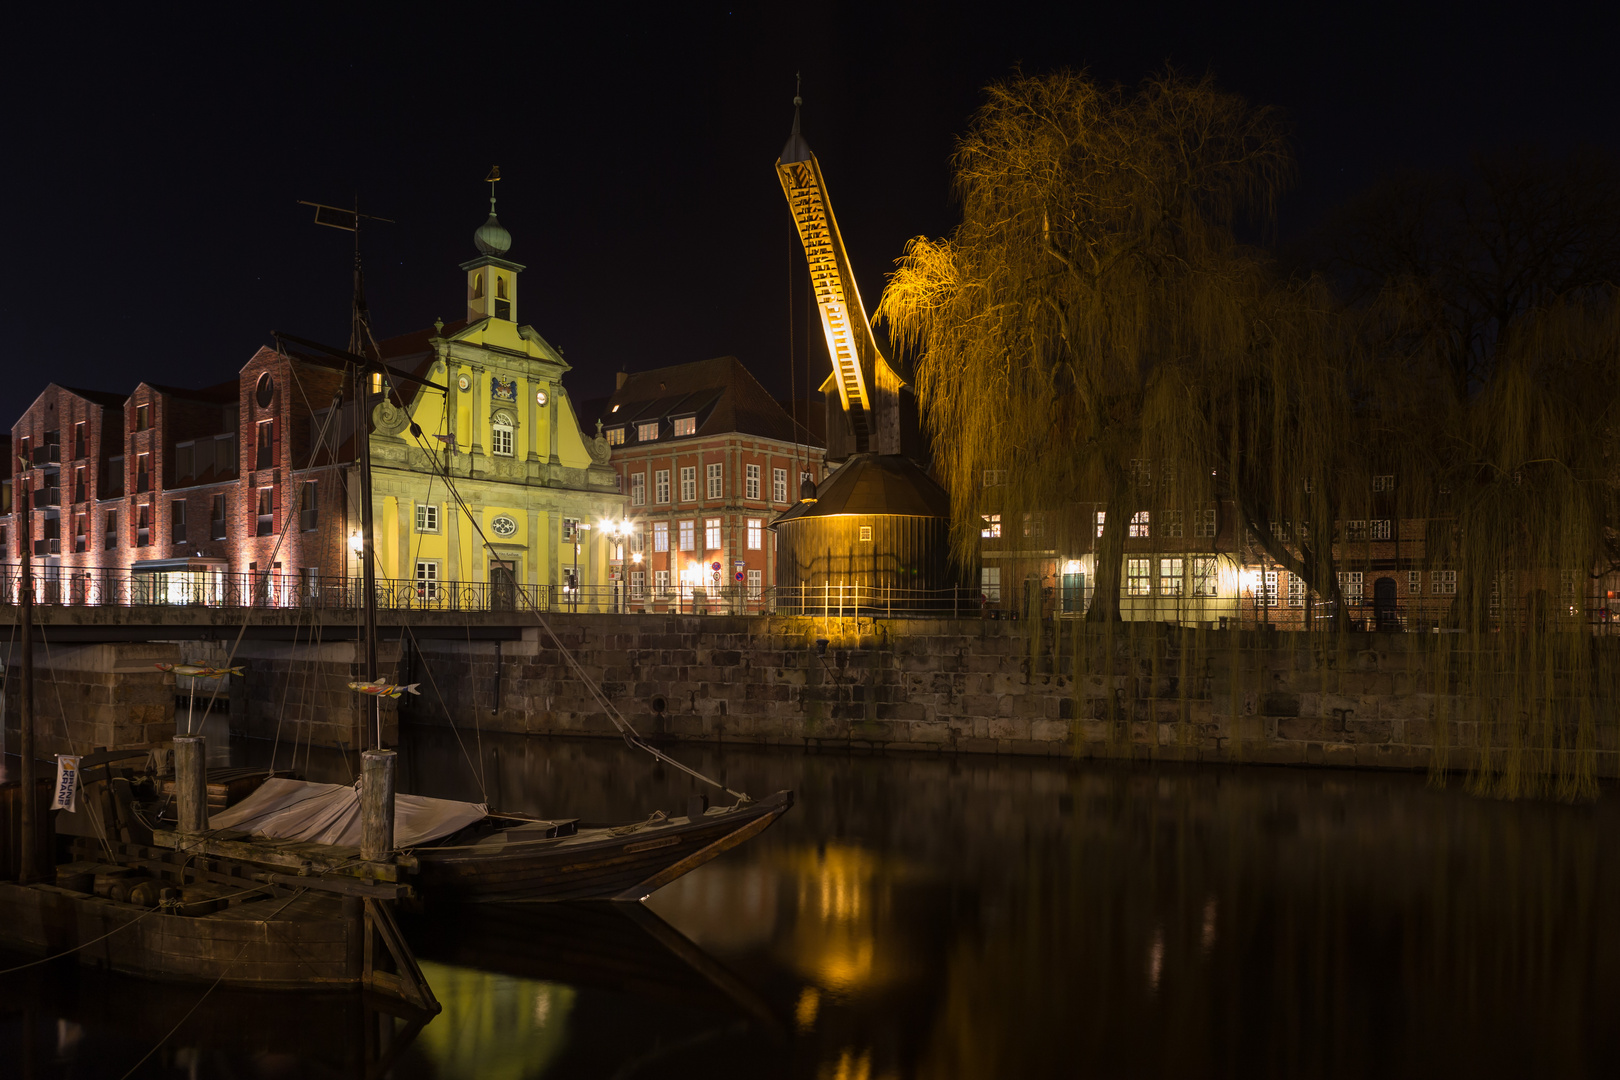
x=330 y=814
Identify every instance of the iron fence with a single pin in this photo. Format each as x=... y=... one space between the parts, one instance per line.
x=75 y=587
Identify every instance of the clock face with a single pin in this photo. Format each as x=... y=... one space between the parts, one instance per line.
x=540 y=397
x=464 y=382
x=503 y=525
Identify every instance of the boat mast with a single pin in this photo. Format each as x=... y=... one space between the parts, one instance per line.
x=25 y=713
x=359 y=344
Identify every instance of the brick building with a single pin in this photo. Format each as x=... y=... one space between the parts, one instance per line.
x=247 y=491
x=707 y=460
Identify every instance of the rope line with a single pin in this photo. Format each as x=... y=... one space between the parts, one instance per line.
x=170 y=1034
x=626 y=729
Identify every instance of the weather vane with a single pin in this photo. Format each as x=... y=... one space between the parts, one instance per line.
x=491 y=179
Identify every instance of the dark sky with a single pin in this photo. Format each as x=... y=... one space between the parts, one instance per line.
x=151 y=230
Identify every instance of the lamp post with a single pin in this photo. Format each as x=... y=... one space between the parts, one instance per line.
x=618 y=532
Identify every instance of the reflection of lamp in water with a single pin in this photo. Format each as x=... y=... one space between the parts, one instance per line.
x=835 y=937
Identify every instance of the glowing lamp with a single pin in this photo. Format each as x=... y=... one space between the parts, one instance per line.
x=357 y=543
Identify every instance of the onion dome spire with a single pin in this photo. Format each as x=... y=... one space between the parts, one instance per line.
x=492 y=237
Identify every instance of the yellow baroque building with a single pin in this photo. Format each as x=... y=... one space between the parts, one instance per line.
x=483 y=483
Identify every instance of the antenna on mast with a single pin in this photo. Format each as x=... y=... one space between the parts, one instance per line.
x=338 y=217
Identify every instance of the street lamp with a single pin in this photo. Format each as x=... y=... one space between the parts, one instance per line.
x=619 y=531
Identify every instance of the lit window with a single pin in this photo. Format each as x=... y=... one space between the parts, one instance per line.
x=660 y=536
x=638 y=583
x=751 y=481
x=638 y=489
x=688 y=536
x=427 y=517
x=756 y=534
x=866 y=534
x=711 y=534
x=1205 y=579
x=1170 y=577
x=500 y=436
x=1204 y=525
x=570 y=530
x=779 y=491
x=647 y=431
x=427 y=580
x=689 y=483
x=661 y=582
x=1350 y=582
x=990 y=583
x=717 y=482
x=1140 y=523
x=1138 y=577
x=661 y=486
x=1266 y=594
x=685 y=425
x=755 y=584
x=1102 y=519
x=991 y=529
x=615 y=436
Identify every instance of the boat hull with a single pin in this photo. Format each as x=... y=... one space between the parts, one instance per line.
x=299 y=943
x=597 y=864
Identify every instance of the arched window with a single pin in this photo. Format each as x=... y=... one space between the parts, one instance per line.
x=500 y=288
x=500 y=441
x=478 y=286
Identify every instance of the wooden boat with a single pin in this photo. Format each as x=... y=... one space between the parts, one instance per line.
x=513 y=860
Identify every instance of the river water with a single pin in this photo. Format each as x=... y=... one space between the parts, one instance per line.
x=956 y=917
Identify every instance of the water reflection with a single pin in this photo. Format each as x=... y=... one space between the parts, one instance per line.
x=939 y=918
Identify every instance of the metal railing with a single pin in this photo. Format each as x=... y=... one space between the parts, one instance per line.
x=92 y=587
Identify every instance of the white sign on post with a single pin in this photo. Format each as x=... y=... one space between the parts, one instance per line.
x=67 y=783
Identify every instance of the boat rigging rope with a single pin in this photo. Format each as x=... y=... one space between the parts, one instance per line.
x=477 y=770
x=627 y=730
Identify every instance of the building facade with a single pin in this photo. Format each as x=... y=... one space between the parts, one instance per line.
x=707 y=460
x=248 y=491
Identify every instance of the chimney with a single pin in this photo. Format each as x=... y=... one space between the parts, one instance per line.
x=619 y=379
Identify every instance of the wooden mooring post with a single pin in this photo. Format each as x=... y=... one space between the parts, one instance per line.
x=191 y=784
x=377 y=804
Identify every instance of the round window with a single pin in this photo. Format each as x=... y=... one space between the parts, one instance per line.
x=265 y=392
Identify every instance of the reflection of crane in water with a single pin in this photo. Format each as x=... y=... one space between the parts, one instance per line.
x=868 y=388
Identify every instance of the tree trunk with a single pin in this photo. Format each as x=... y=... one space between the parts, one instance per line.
x=1109 y=565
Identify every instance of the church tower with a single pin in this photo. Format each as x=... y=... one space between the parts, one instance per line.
x=492 y=279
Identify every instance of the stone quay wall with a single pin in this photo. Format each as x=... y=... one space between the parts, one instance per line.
x=944 y=685
x=88 y=696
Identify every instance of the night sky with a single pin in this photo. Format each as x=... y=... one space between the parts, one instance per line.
x=151 y=229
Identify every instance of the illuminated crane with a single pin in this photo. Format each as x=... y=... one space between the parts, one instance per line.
x=868 y=388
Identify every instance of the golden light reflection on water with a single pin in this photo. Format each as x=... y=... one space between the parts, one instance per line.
x=835 y=936
x=494 y=1027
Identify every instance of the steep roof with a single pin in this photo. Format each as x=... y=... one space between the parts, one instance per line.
x=99 y=397
x=721 y=394
x=875 y=484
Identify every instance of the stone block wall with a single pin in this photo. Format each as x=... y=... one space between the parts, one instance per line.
x=87 y=696
x=967 y=686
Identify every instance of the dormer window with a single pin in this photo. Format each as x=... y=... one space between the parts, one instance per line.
x=500 y=439
x=615 y=436
x=647 y=432
x=685 y=425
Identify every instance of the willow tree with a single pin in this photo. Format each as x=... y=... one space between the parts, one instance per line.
x=1096 y=251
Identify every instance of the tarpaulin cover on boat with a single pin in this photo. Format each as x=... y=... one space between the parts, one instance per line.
x=330 y=814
